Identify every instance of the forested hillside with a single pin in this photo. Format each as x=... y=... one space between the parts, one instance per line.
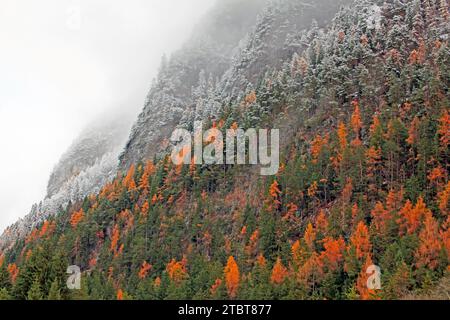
x=362 y=102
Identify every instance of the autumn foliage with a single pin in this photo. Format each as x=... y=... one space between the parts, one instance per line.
x=177 y=270
x=76 y=218
x=145 y=269
x=115 y=239
x=427 y=254
x=363 y=181
x=360 y=241
x=279 y=272
x=232 y=277
x=13 y=272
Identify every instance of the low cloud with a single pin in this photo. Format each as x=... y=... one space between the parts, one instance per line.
x=64 y=63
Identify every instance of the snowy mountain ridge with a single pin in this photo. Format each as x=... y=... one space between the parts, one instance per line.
x=229 y=52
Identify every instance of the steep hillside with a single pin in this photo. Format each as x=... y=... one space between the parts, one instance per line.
x=363 y=102
x=89 y=163
x=103 y=136
x=221 y=64
x=277 y=36
x=205 y=57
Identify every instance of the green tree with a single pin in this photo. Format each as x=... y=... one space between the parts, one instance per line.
x=35 y=292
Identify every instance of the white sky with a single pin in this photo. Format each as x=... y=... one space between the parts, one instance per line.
x=64 y=62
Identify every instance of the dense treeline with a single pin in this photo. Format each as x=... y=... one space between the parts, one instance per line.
x=363 y=181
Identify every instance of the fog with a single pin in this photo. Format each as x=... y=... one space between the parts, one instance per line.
x=65 y=63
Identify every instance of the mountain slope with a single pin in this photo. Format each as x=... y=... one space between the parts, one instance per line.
x=212 y=68
x=89 y=163
x=101 y=137
x=209 y=53
x=363 y=182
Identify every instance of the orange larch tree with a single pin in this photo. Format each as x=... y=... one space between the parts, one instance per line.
x=360 y=241
x=279 y=272
x=215 y=286
x=438 y=177
x=445 y=237
x=427 y=255
x=177 y=270
x=365 y=293
x=298 y=254
x=312 y=190
x=76 y=218
x=120 y=294
x=317 y=145
x=380 y=218
x=406 y=220
x=358 y=249
x=144 y=209
x=47 y=228
x=413 y=57
x=232 y=277
x=250 y=98
x=145 y=269
x=13 y=271
x=44 y=228
x=128 y=181
x=92 y=262
x=356 y=124
x=149 y=170
x=444 y=130
x=292 y=209
x=342 y=135
x=443 y=199
x=394 y=200
x=310 y=236
x=261 y=261
x=115 y=238
x=275 y=195
x=333 y=255
x=322 y=222
x=411 y=217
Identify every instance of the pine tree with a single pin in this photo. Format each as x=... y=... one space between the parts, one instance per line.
x=55 y=292
x=35 y=292
x=4 y=294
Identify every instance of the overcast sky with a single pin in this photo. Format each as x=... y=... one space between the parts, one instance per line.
x=62 y=63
